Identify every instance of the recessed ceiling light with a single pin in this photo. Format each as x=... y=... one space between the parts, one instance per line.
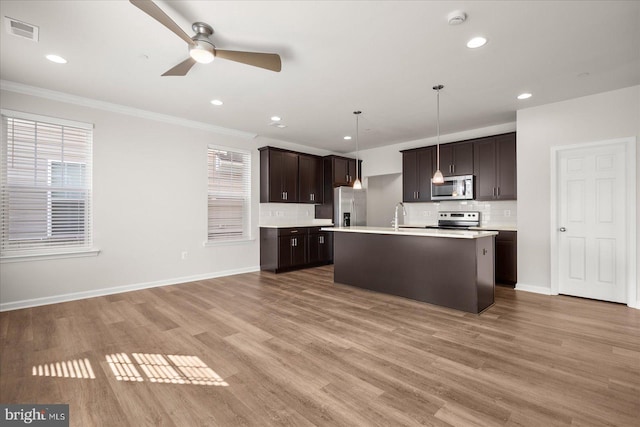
x=57 y=59
x=216 y=102
x=476 y=42
x=277 y=125
x=347 y=137
x=524 y=95
x=275 y=119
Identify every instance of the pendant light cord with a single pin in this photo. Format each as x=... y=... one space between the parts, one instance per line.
x=438 y=123
x=357 y=137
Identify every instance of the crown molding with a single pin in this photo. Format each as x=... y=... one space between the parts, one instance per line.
x=119 y=109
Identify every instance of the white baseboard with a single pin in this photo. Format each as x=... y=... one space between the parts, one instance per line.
x=636 y=305
x=119 y=289
x=532 y=288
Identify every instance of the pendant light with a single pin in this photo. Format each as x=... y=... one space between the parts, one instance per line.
x=357 y=184
x=437 y=177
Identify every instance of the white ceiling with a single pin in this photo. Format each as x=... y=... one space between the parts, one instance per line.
x=381 y=57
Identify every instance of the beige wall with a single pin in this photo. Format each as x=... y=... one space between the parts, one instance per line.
x=600 y=117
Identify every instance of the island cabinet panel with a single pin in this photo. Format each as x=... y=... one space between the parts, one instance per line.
x=506 y=257
x=495 y=167
x=310 y=179
x=451 y=272
x=456 y=158
x=284 y=249
x=278 y=176
x=417 y=170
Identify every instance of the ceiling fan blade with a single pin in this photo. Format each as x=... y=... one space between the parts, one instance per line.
x=151 y=9
x=182 y=68
x=269 y=61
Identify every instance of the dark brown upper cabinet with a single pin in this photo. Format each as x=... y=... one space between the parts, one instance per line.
x=289 y=176
x=344 y=171
x=417 y=171
x=310 y=179
x=495 y=167
x=456 y=158
x=278 y=175
x=338 y=171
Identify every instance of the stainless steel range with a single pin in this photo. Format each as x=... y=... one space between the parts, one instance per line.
x=458 y=220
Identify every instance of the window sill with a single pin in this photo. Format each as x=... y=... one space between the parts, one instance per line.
x=228 y=242
x=54 y=255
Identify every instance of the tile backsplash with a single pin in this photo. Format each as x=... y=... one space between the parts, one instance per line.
x=494 y=213
x=286 y=213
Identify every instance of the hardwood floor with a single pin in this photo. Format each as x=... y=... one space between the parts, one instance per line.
x=296 y=349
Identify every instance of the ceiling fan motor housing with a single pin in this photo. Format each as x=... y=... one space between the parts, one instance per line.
x=203 y=51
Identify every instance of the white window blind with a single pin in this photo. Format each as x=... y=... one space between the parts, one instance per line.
x=229 y=195
x=46 y=185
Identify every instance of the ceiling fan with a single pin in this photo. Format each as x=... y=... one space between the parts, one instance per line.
x=201 y=49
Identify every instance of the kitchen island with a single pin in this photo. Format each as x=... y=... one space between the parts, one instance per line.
x=451 y=268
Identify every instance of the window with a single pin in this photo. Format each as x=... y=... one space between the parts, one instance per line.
x=229 y=195
x=46 y=185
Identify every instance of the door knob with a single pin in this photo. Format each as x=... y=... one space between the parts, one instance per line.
x=562 y=229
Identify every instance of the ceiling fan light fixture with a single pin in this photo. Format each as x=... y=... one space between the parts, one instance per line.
x=202 y=52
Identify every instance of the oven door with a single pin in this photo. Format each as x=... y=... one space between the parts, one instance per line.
x=453 y=188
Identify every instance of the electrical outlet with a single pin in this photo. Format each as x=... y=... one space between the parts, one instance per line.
x=507 y=212
x=428 y=214
x=183 y=255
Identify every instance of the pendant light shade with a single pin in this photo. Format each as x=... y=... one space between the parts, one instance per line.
x=357 y=184
x=437 y=177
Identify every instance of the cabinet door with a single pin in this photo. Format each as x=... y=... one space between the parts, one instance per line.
x=446 y=159
x=417 y=171
x=462 y=158
x=409 y=176
x=340 y=171
x=320 y=248
x=283 y=176
x=292 y=251
x=425 y=159
x=352 y=172
x=506 y=167
x=484 y=166
x=310 y=179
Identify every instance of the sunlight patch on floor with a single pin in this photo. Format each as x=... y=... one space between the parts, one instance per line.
x=77 y=368
x=159 y=368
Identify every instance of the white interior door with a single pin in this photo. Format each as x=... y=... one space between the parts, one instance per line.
x=592 y=222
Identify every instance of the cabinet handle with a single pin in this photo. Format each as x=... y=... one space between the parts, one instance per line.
x=454 y=168
x=322 y=240
x=494 y=192
x=498 y=192
x=311 y=196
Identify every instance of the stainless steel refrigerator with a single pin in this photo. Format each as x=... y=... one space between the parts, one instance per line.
x=349 y=207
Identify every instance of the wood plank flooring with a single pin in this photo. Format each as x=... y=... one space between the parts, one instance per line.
x=296 y=349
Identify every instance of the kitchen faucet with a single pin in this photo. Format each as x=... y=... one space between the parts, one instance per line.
x=395 y=216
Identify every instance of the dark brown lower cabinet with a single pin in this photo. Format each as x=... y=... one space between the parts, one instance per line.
x=506 y=258
x=284 y=249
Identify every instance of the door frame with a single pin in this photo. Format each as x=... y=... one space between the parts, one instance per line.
x=630 y=212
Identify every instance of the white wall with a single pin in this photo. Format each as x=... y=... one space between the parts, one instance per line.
x=604 y=116
x=150 y=205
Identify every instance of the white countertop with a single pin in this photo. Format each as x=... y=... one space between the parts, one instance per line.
x=296 y=224
x=424 y=232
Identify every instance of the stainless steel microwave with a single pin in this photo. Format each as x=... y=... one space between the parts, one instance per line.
x=453 y=188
